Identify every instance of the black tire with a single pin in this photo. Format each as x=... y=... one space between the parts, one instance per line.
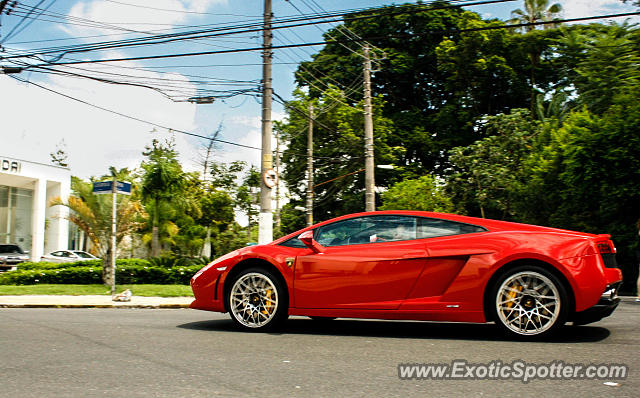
x=528 y=302
x=257 y=300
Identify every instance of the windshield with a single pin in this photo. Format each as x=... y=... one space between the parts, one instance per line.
x=10 y=249
x=82 y=254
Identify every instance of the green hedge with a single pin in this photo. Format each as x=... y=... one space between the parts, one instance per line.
x=81 y=274
x=46 y=265
x=84 y=263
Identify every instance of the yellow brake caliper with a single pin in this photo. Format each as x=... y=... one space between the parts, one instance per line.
x=268 y=308
x=512 y=294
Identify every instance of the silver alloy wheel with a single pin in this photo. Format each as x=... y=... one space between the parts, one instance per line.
x=528 y=303
x=254 y=300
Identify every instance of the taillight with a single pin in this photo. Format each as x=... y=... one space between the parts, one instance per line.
x=608 y=254
x=605 y=248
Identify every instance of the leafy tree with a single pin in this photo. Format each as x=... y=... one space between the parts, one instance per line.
x=239 y=185
x=247 y=196
x=60 y=157
x=338 y=152
x=609 y=67
x=217 y=215
x=488 y=175
x=434 y=82
x=163 y=184
x=423 y=194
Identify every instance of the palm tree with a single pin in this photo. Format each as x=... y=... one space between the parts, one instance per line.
x=535 y=11
x=92 y=214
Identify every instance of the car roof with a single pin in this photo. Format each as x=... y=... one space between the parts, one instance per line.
x=489 y=224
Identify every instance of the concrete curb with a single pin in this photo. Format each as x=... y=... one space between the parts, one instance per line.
x=142 y=306
x=92 y=301
x=137 y=302
x=629 y=299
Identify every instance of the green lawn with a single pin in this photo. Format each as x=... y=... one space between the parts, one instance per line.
x=78 y=290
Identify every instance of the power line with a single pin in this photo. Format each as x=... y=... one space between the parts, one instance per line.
x=132 y=117
x=10 y=35
x=447 y=31
x=16 y=26
x=248 y=28
x=170 y=129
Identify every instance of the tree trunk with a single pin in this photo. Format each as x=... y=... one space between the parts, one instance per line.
x=155 y=247
x=106 y=268
x=206 y=248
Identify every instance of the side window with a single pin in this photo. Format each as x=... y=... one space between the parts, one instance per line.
x=293 y=242
x=433 y=227
x=370 y=229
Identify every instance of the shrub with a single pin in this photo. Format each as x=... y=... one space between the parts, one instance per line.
x=136 y=273
x=70 y=275
x=171 y=261
x=48 y=265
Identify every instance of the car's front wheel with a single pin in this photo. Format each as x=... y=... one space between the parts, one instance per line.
x=257 y=300
x=529 y=301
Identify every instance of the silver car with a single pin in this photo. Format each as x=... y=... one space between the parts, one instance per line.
x=11 y=256
x=67 y=256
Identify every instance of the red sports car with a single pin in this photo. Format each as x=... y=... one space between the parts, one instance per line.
x=527 y=279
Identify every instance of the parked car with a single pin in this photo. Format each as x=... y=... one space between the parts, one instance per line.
x=10 y=256
x=527 y=279
x=67 y=256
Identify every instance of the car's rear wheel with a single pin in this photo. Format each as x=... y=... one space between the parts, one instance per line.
x=529 y=301
x=257 y=300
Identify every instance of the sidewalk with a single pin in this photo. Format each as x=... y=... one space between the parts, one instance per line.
x=59 y=301
x=96 y=301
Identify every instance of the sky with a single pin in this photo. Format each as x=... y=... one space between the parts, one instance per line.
x=36 y=121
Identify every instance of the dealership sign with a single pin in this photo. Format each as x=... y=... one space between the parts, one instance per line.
x=10 y=165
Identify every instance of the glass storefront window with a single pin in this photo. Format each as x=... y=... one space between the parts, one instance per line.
x=16 y=208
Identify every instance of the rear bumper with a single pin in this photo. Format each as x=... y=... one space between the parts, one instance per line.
x=604 y=307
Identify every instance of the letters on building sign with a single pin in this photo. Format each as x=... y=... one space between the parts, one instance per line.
x=9 y=165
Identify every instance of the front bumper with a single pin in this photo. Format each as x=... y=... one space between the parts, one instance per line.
x=604 y=307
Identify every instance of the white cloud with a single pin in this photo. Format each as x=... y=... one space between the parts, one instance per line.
x=36 y=120
x=138 y=15
x=585 y=8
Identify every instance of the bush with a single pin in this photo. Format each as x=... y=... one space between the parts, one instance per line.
x=47 y=265
x=70 y=273
x=171 y=261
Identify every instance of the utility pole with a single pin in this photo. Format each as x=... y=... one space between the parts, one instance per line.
x=265 y=221
x=369 y=178
x=278 y=218
x=310 y=167
x=112 y=260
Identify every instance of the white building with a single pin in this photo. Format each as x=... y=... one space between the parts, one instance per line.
x=25 y=216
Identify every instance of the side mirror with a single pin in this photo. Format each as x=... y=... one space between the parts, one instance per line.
x=307 y=238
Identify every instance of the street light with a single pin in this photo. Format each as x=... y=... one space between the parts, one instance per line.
x=7 y=70
x=201 y=100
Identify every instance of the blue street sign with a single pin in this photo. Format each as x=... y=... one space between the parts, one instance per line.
x=104 y=187
x=123 y=187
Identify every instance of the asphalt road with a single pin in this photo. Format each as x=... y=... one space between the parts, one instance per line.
x=189 y=353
